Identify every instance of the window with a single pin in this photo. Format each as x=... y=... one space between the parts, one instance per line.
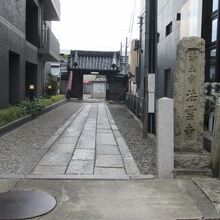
x=158 y=37
x=212 y=67
x=167 y=83
x=169 y=28
x=214 y=5
x=210 y=34
x=178 y=17
x=32 y=23
x=214 y=30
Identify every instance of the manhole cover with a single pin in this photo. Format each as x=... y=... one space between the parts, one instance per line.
x=25 y=204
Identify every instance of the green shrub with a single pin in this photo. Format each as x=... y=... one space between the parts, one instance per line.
x=57 y=98
x=45 y=102
x=10 y=114
x=49 y=101
x=34 y=107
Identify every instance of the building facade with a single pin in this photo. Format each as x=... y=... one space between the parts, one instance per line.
x=185 y=18
x=133 y=61
x=27 y=45
x=175 y=20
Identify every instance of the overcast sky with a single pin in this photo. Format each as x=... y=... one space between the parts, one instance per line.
x=95 y=24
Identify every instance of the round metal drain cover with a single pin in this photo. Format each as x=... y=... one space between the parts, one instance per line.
x=25 y=204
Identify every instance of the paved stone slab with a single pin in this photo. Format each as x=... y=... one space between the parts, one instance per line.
x=106 y=131
x=105 y=149
x=211 y=187
x=111 y=200
x=123 y=147
x=80 y=167
x=114 y=127
x=71 y=140
x=84 y=154
x=78 y=123
x=58 y=158
x=201 y=200
x=50 y=141
x=106 y=139
x=109 y=171
x=87 y=142
x=6 y=185
x=85 y=133
x=102 y=126
x=129 y=162
x=90 y=126
x=88 y=134
x=45 y=170
x=57 y=147
x=78 y=177
x=59 y=154
x=109 y=161
x=71 y=133
x=131 y=167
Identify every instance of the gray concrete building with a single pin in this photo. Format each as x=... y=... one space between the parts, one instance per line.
x=175 y=20
x=27 y=44
x=185 y=18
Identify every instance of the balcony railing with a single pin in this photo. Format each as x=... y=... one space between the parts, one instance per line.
x=51 y=10
x=50 y=47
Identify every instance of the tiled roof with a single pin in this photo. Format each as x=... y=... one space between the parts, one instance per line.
x=95 y=60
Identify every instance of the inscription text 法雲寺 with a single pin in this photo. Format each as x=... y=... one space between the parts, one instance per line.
x=191 y=95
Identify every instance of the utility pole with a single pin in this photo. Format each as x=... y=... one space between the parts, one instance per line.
x=126 y=53
x=121 y=58
x=146 y=64
x=150 y=66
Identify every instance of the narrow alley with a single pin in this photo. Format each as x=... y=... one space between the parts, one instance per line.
x=110 y=110
x=83 y=161
x=90 y=145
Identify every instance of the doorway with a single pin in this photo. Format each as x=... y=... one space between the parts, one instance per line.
x=94 y=87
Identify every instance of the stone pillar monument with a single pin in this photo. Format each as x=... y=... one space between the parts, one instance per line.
x=189 y=105
x=165 y=141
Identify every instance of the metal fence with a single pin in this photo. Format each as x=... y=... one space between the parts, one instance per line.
x=135 y=104
x=212 y=97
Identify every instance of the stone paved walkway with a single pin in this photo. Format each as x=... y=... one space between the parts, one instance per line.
x=91 y=145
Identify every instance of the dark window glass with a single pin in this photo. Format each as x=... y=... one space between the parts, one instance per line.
x=212 y=66
x=214 y=30
x=178 y=17
x=169 y=28
x=214 y=5
x=167 y=83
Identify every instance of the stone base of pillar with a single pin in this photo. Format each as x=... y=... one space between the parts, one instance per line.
x=190 y=173
x=192 y=164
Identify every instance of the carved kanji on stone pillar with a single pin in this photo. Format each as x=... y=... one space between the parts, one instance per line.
x=189 y=104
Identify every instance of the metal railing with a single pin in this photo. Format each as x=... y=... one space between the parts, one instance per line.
x=135 y=104
x=49 y=43
x=212 y=97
